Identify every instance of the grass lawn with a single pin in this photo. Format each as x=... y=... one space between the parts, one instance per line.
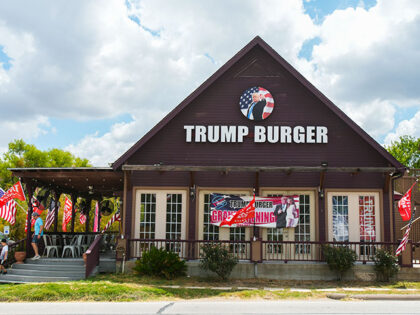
x=112 y=287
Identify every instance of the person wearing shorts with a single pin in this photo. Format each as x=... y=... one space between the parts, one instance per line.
x=3 y=256
x=39 y=231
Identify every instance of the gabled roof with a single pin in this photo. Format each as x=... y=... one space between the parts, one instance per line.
x=257 y=41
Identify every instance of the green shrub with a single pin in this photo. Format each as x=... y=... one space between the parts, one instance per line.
x=217 y=258
x=339 y=259
x=386 y=265
x=160 y=263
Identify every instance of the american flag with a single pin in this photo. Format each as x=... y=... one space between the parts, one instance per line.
x=115 y=217
x=404 y=241
x=67 y=212
x=51 y=215
x=246 y=100
x=14 y=192
x=8 y=211
x=82 y=218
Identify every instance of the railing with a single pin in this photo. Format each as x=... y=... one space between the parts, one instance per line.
x=271 y=250
x=17 y=246
x=186 y=249
x=312 y=251
x=92 y=256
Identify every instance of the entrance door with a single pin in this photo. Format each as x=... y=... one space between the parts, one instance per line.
x=161 y=217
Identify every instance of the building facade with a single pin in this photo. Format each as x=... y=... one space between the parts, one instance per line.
x=257 y=126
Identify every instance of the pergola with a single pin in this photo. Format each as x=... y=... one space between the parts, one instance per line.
x=91 y=183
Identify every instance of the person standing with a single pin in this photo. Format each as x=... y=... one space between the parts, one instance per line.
x=3 y=256
x=39 y=231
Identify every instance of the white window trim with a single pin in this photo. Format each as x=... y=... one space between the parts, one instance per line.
x=160 y=224
x=353 y=204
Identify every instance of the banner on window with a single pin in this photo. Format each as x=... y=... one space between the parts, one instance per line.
x=270 y=212
x=367 y=218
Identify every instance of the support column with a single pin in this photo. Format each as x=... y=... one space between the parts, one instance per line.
x=256 y=230
x=29 y=189
x=56 y=198
x=88 y=209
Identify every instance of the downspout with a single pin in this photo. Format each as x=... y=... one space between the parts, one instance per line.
x=395 y=176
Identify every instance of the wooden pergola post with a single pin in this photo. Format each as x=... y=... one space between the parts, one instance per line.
x=99 y=216
x=89 y=208
x=56 y=198
x=30 y=190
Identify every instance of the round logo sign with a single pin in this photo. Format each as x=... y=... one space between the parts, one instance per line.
x=256 y=103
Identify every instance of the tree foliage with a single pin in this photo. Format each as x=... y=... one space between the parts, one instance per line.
x=21 y=154
x=406 y=150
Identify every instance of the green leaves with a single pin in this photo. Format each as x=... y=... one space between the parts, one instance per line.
x=406 y=150
x=218 y=259
x=339 y=258
x=160 y=263
x=386 y=265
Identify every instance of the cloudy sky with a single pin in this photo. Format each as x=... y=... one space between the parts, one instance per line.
x=93 y=77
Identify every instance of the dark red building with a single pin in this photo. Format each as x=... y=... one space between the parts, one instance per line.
x=256 y=126
x=300 y=143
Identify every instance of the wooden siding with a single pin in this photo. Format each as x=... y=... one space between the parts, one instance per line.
x=294 y=105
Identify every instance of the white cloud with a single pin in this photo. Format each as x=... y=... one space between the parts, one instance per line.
x=406 y=127
x=87 y=60
x=368 y=61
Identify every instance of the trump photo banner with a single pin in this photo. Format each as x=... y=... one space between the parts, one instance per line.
x=270 y=212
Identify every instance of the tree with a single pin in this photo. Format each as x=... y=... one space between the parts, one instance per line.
x=406 y=150
x=21 y=154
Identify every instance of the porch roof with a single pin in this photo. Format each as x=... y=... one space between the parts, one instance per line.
x=83 y=181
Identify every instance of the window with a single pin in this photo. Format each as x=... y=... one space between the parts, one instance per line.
x=340 y=218
x=275 y=235
x=237 y=234
x=367 y=218
x=173 y=220
x=303 y=229
x=210 y=231
x=367 y=224
x=147 y=216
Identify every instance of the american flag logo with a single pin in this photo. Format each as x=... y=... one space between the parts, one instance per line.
x=256 y=103
x=8 y=211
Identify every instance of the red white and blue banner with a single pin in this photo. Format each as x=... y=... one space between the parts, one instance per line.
x=270 y=212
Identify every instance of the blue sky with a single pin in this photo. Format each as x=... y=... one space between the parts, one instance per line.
x=76 y=76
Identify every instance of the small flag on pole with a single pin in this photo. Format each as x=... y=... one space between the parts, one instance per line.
x=51 y=215
x=404 y=205
x=8 y=211
x=68 y=205
x=14 y=192
x=404 y=241
x=82 y=218
x=114 y=218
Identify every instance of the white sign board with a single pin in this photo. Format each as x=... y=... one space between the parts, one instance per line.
x=6 y=230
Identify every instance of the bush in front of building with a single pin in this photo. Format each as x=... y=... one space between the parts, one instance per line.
x=160 y=263
x=339 y=259
x=218 y=259
x=386 y=265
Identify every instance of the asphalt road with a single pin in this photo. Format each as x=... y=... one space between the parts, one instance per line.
x=217 y=307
